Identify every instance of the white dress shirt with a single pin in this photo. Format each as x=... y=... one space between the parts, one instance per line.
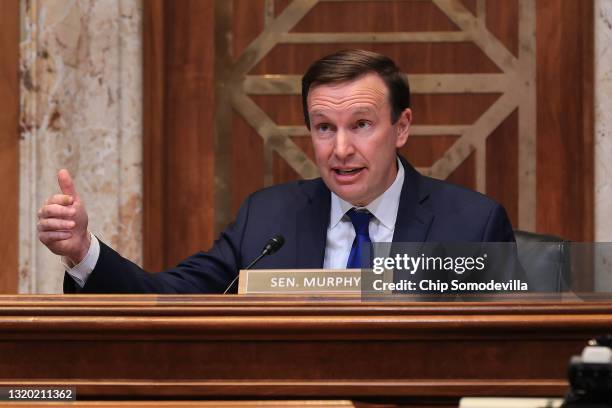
x=81 y=271
x=340 y=233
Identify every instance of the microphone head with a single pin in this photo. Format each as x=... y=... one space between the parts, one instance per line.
x=274 y=244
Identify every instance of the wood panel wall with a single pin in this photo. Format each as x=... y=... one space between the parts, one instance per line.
x=413 y=58
x=9 y=145
x=565 y=118
x=189 y=189
x=180 y=180
x=178 y=129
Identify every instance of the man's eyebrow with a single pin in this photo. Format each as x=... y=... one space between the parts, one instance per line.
x=362 y=110
x=318 y=113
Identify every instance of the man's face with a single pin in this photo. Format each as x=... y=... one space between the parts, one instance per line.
x=354 y=141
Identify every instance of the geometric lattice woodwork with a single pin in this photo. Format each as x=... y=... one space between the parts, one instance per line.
x=513 y=87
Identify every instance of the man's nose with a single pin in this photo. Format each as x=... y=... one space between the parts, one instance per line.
x=343 y=147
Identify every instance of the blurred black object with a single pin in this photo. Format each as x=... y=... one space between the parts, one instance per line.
x=590 y=376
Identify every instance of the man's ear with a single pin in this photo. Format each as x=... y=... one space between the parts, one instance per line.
x=402 y=127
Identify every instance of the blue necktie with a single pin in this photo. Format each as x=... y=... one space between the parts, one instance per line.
x=361 y=223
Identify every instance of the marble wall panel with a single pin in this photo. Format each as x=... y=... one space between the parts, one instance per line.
x=81 y=103
x=603 y=138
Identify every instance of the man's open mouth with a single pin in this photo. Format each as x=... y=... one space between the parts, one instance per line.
x=348 y=171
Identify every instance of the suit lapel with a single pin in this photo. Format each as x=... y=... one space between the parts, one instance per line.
x=413 y=218
x=412 y=224
x=311 y=227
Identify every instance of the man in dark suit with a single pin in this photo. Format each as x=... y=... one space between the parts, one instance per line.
x=357 y=107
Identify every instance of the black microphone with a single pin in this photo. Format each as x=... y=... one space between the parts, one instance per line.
x=273 y=245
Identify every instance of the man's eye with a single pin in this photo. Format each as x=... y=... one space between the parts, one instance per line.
x=363 y=124
x=323 y=127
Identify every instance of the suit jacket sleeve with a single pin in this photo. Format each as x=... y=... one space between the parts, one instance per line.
x=203 y=272
x=498 y=227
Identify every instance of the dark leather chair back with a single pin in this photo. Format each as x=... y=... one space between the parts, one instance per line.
x=547 y=266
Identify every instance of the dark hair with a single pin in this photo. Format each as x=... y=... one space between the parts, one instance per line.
x=347 y=65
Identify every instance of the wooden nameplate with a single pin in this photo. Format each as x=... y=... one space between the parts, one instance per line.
x=296 y=281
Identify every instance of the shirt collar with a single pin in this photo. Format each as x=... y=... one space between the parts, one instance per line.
x=384 y=207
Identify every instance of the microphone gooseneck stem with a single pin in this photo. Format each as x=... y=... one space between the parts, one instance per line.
x=271 y=247
x=264 y=253
x=230 y=285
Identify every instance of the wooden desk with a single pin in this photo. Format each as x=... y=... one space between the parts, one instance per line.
x=229 y=347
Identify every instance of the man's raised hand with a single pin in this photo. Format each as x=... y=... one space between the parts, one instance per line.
x=62 y=222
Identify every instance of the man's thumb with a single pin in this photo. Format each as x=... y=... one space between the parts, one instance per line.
x=65 y=182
